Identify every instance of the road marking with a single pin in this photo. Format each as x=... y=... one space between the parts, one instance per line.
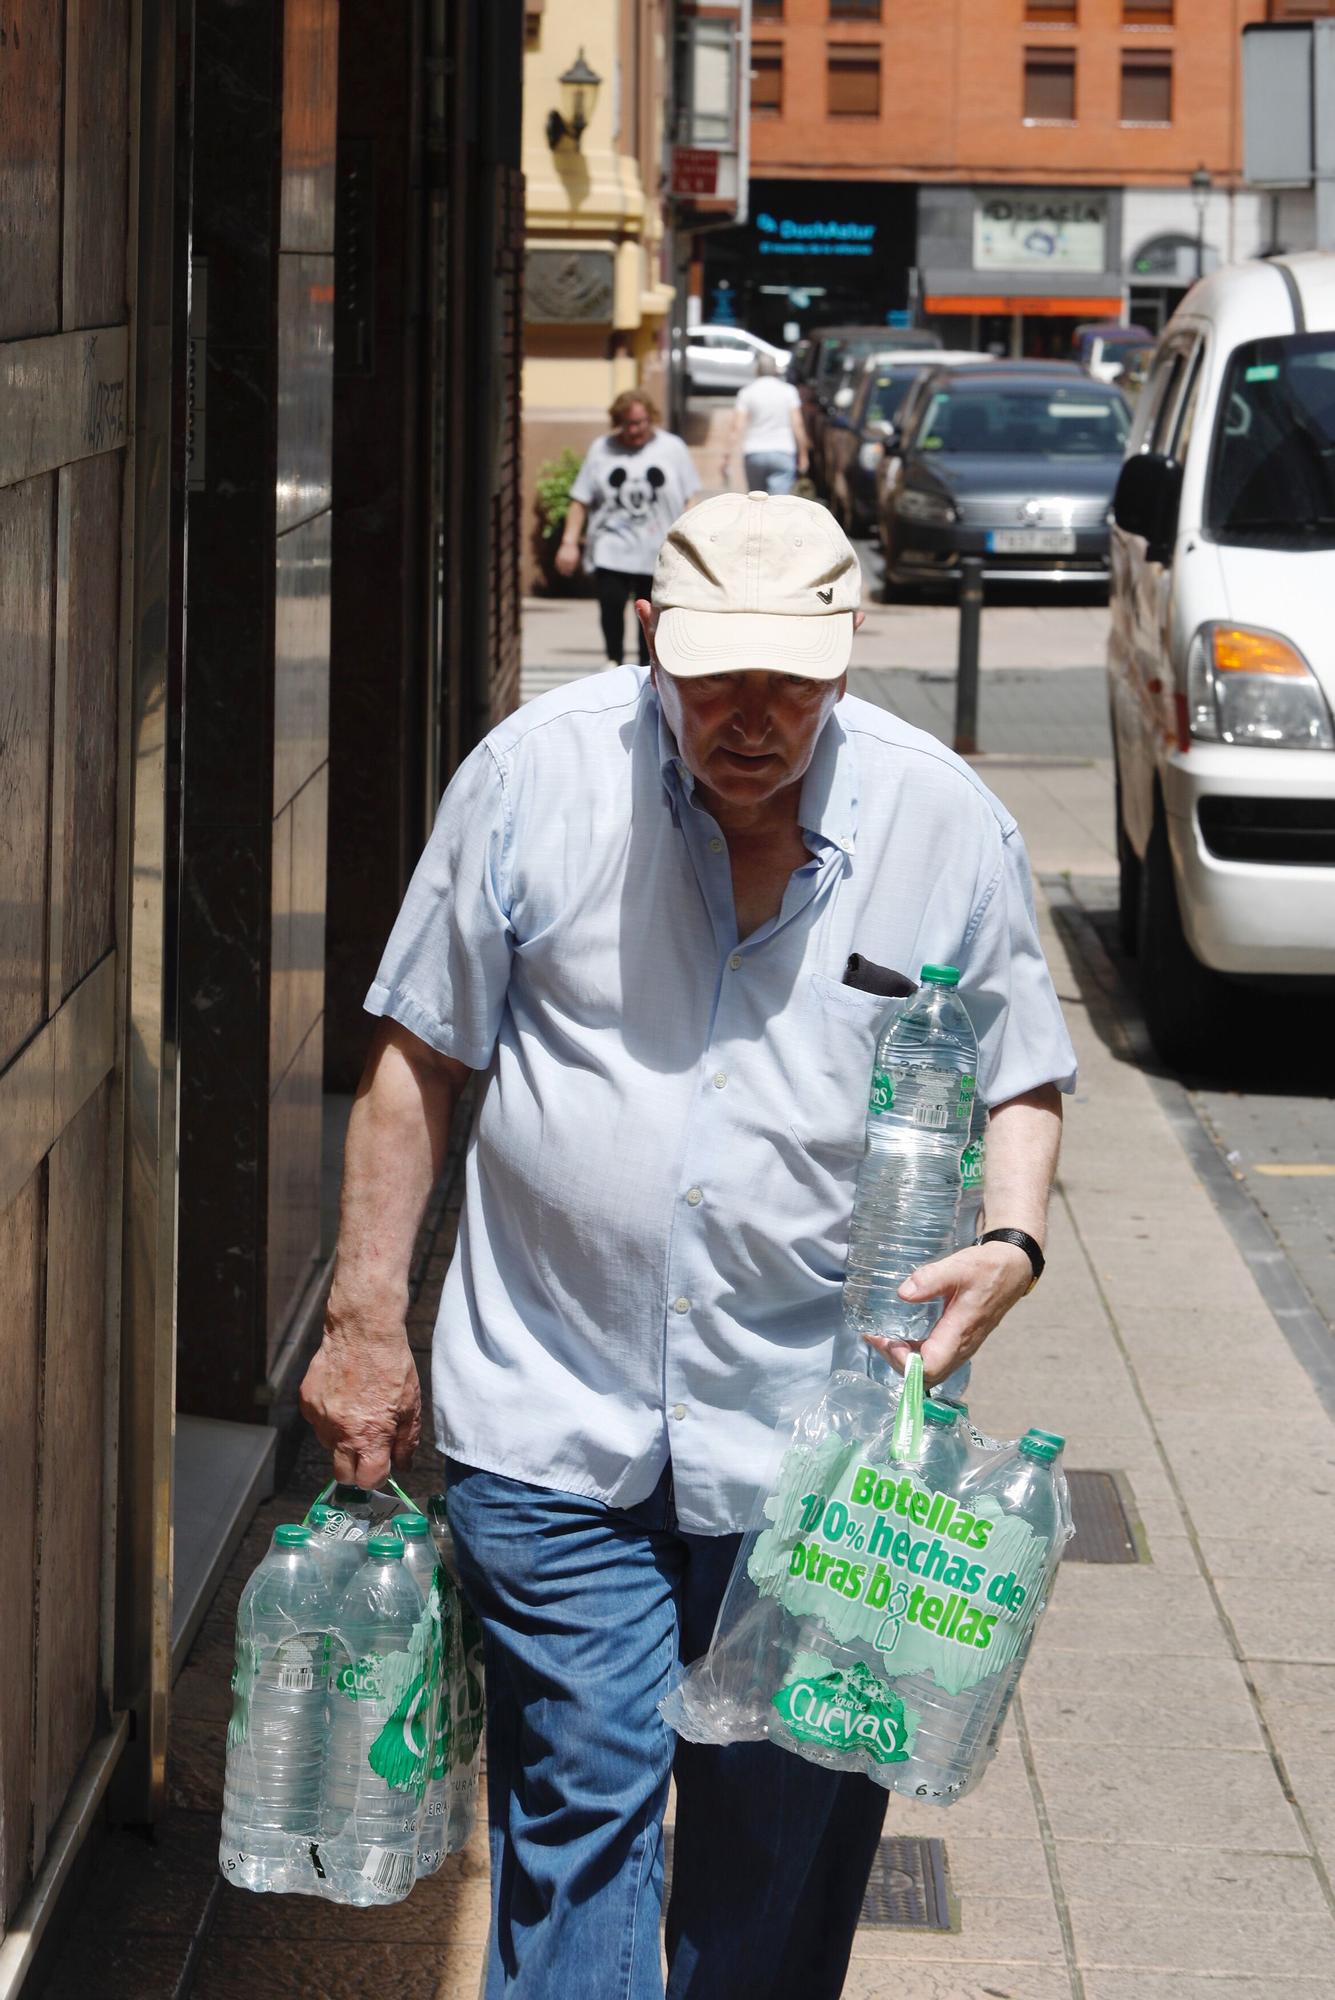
x=1310 y=1170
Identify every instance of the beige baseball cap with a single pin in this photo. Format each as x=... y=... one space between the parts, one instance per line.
x=756 y=580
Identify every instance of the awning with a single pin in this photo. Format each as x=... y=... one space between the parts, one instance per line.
x=1031 y=307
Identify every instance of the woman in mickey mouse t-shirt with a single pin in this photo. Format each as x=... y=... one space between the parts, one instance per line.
x=631 y=487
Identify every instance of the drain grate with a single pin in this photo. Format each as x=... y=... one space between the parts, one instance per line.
x=906 y=1887
x=1103 y=1512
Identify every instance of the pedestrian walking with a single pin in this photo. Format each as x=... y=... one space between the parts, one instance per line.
x=632 y=484
x=768 y=430
x=629 y=926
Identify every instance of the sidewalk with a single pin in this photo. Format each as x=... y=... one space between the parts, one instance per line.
x=1160 y=1820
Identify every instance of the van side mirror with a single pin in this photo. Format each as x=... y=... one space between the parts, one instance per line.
x=1146 y=500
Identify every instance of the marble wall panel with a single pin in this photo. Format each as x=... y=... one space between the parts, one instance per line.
x=31 y=64
x=88 y=633
x=305 y=386
x=294 y=1185
x=301 y=656
x=224 y=1110
x=21 y=1286
x=72 y=1424
x=96 y=161
x=281 y=1040
x=310 y=816
x=310 y=106
x=27 y=582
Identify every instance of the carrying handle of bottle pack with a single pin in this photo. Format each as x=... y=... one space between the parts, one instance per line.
x=325 y=1492
x=906 y=1437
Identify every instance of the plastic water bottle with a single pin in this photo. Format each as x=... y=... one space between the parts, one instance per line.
x=340 y=1554
x=908 y=1193
x=276 y=1737
x=973 y=1162
x=419 y=1556
x=464 y=1690
x=957 y=1733
x=1064 y=1529
x=378 y=1723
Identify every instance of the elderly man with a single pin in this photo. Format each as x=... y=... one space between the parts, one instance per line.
x=631 y=921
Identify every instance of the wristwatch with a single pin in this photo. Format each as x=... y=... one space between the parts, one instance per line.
x=1022 y=1241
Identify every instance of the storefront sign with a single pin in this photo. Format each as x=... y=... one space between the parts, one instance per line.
x=784 y=235
x=1023 y=231
x=694 y=170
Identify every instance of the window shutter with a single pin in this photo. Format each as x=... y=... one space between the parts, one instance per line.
x=1147 y=88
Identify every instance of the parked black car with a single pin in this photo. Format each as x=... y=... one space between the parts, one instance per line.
x=1014 y=462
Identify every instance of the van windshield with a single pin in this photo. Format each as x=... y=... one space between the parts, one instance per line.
x=1272 y=471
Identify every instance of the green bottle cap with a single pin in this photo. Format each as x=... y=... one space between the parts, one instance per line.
x=319 y=1514
x=410 y=1526
x=291 y=1535
x=1049 y=1437
x=385 y=1548
x=1042 y=1449
x=939 y=1413
x=940 y=975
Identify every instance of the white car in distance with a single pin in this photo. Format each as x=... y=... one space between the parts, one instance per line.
x=724 y=357
x=1221 y=659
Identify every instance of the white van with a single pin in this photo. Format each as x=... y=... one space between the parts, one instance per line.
x=1221 y=657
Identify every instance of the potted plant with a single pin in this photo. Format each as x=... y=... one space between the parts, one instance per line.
x=552 y=501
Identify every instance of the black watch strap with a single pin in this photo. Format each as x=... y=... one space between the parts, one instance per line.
x=1022 y=1241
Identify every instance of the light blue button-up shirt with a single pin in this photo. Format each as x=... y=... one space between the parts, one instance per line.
x=661 y=1168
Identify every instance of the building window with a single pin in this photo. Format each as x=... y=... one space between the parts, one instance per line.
x=1147 y=13
x=766 y=79
x=1049 y=86
x=1147 y=88
x=853 y=82
x=1051 y=13
x=855 y=10
x=767 y=10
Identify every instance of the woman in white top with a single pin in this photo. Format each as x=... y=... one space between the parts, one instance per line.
x=767 y=424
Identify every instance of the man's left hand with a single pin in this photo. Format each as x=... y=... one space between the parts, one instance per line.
x=979 y=1286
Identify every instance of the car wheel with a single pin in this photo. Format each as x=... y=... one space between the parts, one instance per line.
x=1189 y=1009
x=1128 y=883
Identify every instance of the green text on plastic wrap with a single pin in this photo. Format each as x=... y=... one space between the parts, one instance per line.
x=929 y=1583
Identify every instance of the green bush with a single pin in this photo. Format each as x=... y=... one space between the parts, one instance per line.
x=552 y=490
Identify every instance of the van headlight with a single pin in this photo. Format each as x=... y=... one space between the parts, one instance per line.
x=1249 y=686
x=933 y=508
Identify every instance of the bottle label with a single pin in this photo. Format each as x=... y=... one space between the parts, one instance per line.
x=844 y=1709
x=299 y=1665
x=887 y=1562
x=971 y=1165
x=882 y=1093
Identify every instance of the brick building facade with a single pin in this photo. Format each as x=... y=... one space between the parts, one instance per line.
x=1022 y=163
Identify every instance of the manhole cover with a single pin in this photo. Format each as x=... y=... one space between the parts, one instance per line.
x=1102 y=1514
x=907 y=1884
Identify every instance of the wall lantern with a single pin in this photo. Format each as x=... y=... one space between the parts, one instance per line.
x=579 y=89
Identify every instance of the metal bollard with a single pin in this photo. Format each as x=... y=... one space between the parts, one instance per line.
x=966 y=666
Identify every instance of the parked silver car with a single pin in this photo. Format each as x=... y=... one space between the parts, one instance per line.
x=724 y=357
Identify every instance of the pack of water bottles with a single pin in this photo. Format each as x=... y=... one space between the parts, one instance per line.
x=887 y=1594
x=355 y=1738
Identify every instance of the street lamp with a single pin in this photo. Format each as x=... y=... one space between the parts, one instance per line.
x=579 y=88
x=1201 y=185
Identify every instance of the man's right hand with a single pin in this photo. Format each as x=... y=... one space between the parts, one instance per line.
x=362 y=1398
x=567 y=558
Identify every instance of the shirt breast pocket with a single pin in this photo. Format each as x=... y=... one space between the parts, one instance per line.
x=830 y=1111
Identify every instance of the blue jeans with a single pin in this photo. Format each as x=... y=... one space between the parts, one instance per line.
x=587 y=1609
x=770 y=471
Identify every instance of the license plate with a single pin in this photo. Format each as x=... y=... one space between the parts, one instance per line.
x=1031 y=542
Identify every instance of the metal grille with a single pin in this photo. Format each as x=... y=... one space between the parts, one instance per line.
x=906 y=1887
x=1103 y=1512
